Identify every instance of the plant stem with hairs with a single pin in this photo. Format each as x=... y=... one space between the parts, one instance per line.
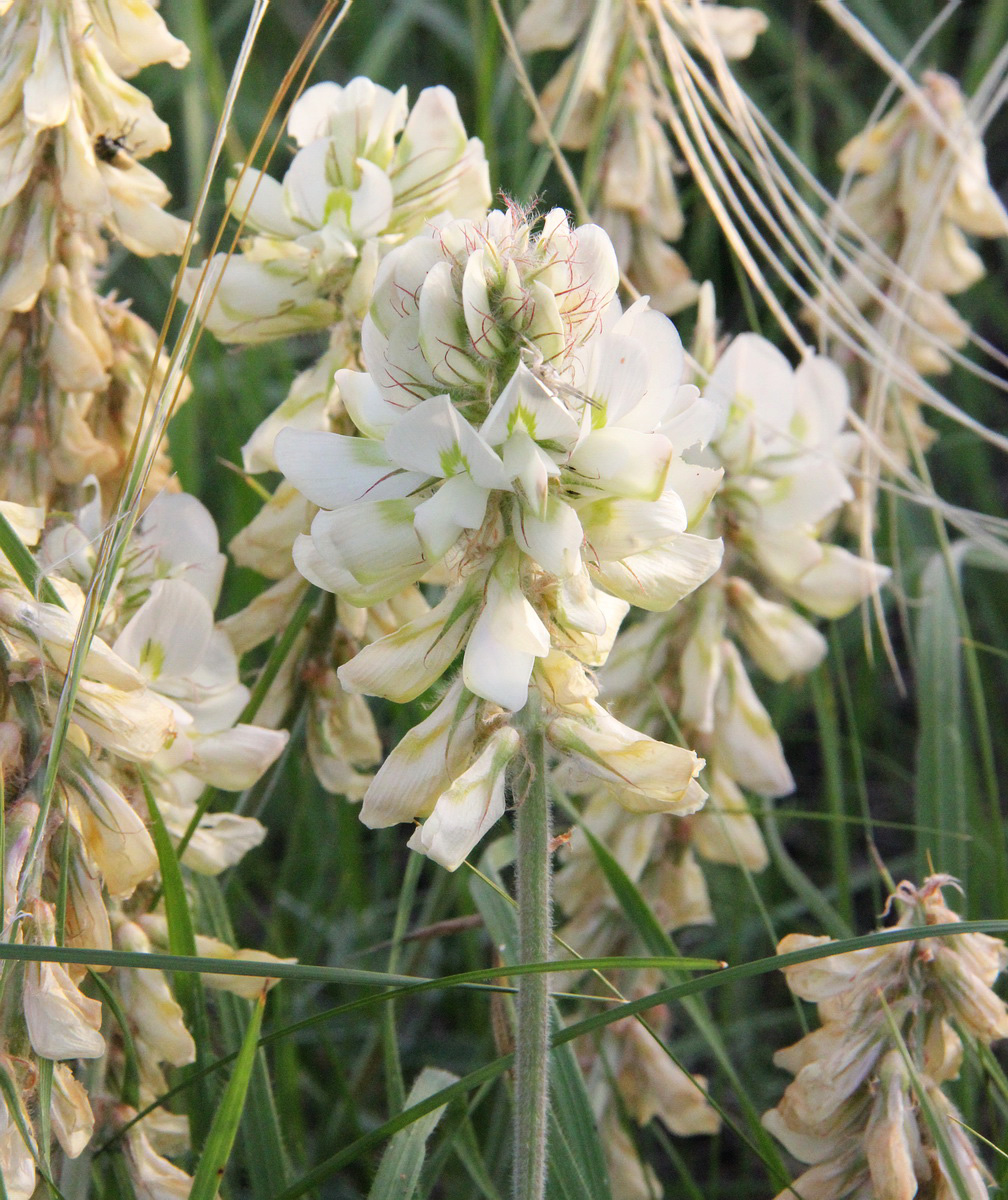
x=533 y=871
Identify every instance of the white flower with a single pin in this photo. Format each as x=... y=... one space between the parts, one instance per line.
x=368 y=172
x=17 y=1159
x=72 y=1118
x=470 y=806
x=424 y=764
x=153 y=1176
x=509 y=397
x=153 y=1011
x=786 y=454
x=62 y=1022
x=641 y=774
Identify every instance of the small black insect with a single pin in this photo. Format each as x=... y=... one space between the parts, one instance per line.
x=107 y=149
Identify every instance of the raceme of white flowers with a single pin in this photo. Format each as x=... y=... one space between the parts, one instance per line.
x=490 y=464
x=158 y=711
x=519 y=439
x=782 y=444
x=368 y=172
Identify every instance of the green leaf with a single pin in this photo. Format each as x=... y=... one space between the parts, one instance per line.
x=23 y=562
x=399 y=1171
x=220 y=1139
x=131 y=1070
x=643 y=920
x=182 y=941
x=943 y=739
x=262 y=1143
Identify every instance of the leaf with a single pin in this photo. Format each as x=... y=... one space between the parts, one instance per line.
x=182 y=941
x=131 y=1069
x=220 y=1139
x=23 y=562
x=399 y=1171
x=263 y=1150
x=643 y=920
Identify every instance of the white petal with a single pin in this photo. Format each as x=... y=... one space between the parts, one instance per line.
x=836 y=584
x=371 y=202
x=72 y=1118
x=554 y=541
x=822 y=400
x=525 y=402
x=502 y=648
x=434 y=438
x=62 y=1022
x=471 y=806
x=748 y=747
x=621 y=462
x=404 y=664
x=421 y=767
x=331 y=469
x=457 y=504
x=781 y=642
x=169 y=634
x=615 y=529
x=659 y=578
x=753 y=387
x=235 y=759
x=443 y=335
x=374 y=540
x=643 y=775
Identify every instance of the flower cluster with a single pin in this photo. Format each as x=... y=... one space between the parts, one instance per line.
x=921 y=189
x=866 y=1109
x=368 y=173
x=155 y=717
x=72 y=363
x=637 y=200
x=518 y=441
x=782 y=445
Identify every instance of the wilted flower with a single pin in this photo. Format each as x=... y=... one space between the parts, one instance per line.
x=853 y=1111
x=74 y=365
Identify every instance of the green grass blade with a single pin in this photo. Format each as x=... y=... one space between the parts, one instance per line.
x=220 y=1139
x=262 y=1143
x=570 y=1033
x=402 y=1162
x=188 y=985
x=23 y=562
x=941 y=783
x=646 y=925
x=131 y=1069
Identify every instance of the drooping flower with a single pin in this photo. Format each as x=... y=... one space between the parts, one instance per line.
x=368 y=173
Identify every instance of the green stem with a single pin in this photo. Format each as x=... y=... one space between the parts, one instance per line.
x=533 y=878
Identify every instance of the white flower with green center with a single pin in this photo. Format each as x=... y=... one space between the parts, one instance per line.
x=519 y=441
x=368 y=173
x=515 y=427
x=786 y=451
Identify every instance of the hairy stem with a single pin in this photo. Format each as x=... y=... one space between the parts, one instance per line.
x=533 y=873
